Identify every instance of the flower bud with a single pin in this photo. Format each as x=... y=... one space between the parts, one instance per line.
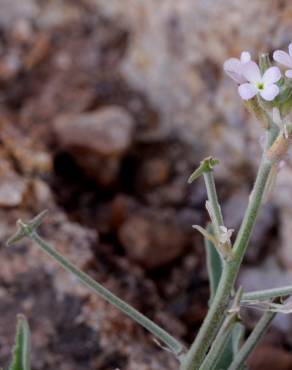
x=264 y=62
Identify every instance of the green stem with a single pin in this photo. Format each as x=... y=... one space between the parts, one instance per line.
x=223 y=335
x=252 y=340
x=217 y=311
x=154 y=329
x=219 y=343
x=217 y=218
x=267 y=294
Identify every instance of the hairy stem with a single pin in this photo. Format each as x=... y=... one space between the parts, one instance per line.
x=217 y=311
x=252 y=340
x=173 y=345
x=223 y=335
x=217 y=218
x=219 y=343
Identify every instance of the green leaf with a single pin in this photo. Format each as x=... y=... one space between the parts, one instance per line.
x=237 y=337
x=206 y=165
x=214 y=264
x=21 y=350
x=232 y=347
x=226 y=357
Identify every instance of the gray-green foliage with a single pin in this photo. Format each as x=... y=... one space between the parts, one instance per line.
x=214 y=265
x=214 y=268
x=21 y=349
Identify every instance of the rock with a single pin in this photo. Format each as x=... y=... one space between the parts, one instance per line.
x=97 y=140
x=152 y=240
x=107 y=131
x=154 y=172
x=13 y=189
x=41 y=193
x=176 y=54
x=110 y=216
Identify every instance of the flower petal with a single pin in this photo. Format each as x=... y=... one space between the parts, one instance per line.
x=247 y=91
x=272 y=75
x=290 y=49
x=232 y=67
x=251 y=72
x=270 y=92
x=245 y=57
x=282 y=57
x=288 y=73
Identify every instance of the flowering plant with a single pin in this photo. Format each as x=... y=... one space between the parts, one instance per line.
x=220 y=342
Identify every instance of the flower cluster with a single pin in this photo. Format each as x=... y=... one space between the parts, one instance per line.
x=255 y=81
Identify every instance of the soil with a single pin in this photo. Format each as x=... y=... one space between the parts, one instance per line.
x=123 y=212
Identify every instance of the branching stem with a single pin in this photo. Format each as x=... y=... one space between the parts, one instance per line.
x=217 y=311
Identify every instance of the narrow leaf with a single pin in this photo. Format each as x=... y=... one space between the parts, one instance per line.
x=207 y=236
x=21 y=350
x=214 y=264
x=232 y=347
x=237 y=337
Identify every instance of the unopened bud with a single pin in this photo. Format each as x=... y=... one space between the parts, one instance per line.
x=264 y=62
x=253 y=105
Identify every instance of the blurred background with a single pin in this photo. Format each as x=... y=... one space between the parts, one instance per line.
x=106 y=107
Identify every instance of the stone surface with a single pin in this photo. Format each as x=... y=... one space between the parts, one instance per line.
x=97 y=140
x=160 y=62
x=13 y=189
x=108 y=131
x=151 y=239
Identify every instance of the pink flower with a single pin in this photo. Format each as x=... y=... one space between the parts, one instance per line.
x=284 y=58
x=233 y=67
x=256 y=83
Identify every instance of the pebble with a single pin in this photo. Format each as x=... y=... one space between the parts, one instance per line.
x=152 y=240
x=155 y=172
x=97 y=140
x=12 y=190
x=107 y=131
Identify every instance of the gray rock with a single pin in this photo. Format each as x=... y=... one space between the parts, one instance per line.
x=13 y=189
x=97 y=140
x=152 y=240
